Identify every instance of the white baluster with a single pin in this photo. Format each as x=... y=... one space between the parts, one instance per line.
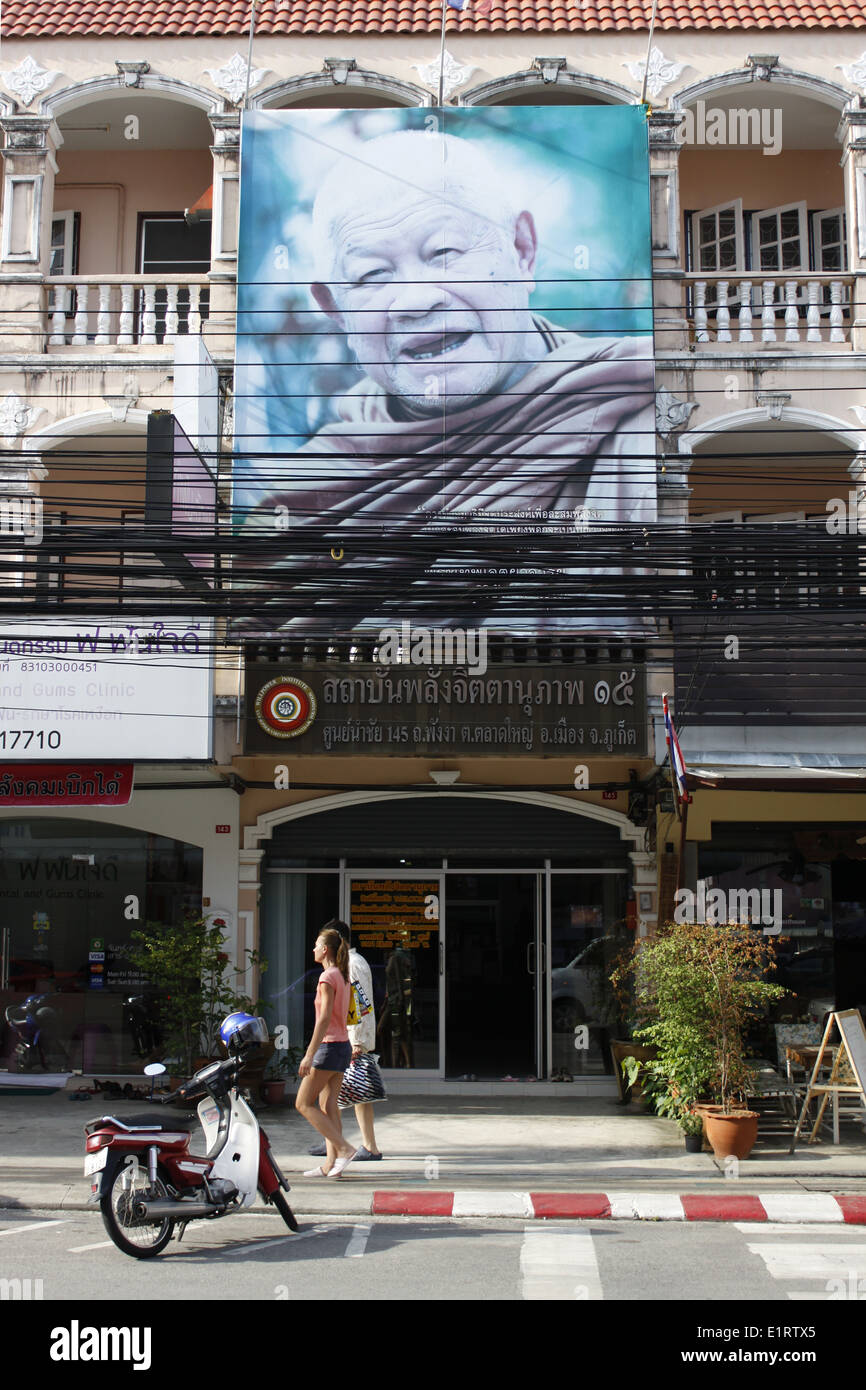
x=723 y=316
x=701 y=334
x=792 y=313
x=80 y=336
x=837 y=317
x=813 y=312
x=125 y=327
x=193 y=323
x=148 y=334
x=171 y=314
x=103 y=317
x=745 y=314
x=58 y=317
x=768 y=313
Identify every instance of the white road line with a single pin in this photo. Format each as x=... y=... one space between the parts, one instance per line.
x=558 y=1262
x=358 y=1242
x=32 y=1226
x=79 y=1249
x=262 y=1244
x=841 y=1267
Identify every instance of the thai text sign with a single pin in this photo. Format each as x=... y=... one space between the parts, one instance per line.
x=86 y=689
x=66 y=784
x=357 y=708
x=394 y=912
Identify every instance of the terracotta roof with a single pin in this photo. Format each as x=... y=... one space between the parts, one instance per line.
x=165 y=18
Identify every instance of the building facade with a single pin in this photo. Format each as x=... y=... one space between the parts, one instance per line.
x=489 y=883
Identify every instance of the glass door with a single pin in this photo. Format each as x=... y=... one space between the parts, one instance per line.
x=587 y=926
x=492 y=976
x=396 y=921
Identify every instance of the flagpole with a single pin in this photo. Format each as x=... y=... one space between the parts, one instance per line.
x=648 y=52
x=250 y=54
x=441 y=56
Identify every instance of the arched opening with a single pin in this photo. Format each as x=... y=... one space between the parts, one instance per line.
x=450 y=917
x=763 y=205
x=548 y=85
x=130 y=166
x=342 y=87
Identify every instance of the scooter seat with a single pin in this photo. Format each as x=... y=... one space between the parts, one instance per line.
x=171 y=1123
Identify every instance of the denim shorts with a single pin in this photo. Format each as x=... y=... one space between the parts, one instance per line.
x=332 y=1056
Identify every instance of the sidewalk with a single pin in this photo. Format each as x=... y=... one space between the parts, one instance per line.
x=491 y=1156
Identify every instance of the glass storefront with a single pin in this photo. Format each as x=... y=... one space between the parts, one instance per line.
x=72 y=893
x=486 y=973
x=816 y=876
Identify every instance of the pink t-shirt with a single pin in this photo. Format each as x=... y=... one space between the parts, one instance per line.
x=337 y=1030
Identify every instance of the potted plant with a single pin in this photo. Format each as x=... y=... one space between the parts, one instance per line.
x=190 y=970
x=696 y=987
x=692 y=1126
x=281 y=1067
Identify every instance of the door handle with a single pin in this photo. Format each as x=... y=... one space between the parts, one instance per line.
x=441 y=957
x=530 y=946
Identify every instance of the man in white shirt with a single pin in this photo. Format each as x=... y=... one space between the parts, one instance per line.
x=362 y=1036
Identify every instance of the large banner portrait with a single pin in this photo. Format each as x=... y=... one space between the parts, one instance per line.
x=444 y=362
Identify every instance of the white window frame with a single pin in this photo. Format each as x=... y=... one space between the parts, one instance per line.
x=734 y=205
x=803 y=265
x=817 y=219
x=68 y=219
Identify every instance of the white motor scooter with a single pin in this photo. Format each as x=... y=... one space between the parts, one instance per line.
x=145 y=1178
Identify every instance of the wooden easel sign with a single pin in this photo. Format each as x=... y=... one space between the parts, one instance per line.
x=847 y=1074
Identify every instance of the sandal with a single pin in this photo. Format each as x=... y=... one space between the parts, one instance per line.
x=341 y=1165
x=317 y=1173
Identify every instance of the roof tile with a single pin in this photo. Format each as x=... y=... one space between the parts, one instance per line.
x=40 y=18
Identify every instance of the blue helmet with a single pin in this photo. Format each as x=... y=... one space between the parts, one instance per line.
x=241 y=1033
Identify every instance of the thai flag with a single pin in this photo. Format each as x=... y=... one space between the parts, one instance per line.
x=677 y=761
x=480 y=6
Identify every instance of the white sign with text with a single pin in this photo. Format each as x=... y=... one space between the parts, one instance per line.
x=98 y=689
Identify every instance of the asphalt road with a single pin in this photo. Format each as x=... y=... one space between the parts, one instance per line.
x=252 y=1256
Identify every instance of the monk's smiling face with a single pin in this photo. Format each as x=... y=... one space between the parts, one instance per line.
x=432 y=293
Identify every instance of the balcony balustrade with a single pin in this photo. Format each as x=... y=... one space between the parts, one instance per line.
x=122 y=310
x=756 y=308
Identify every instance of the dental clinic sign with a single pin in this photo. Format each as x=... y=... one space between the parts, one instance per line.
x=88 y=689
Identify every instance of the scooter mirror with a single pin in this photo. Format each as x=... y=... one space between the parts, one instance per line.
x=154 y=1069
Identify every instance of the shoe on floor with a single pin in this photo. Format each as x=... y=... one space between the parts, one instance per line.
x=341 y=1164
x=318 y=1150
x=364 y=1156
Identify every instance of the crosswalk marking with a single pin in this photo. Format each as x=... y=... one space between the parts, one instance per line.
x=98 y=1245
x=559 y=1262
x=838 y=1266
x=358 y=1242
x=32 y=1226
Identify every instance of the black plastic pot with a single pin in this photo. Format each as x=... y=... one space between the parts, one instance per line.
x=694 y=1143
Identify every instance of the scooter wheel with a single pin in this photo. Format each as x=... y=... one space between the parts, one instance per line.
x=140 y=1239
x=285 y=1210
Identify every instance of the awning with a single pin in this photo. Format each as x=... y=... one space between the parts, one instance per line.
x=202 y=210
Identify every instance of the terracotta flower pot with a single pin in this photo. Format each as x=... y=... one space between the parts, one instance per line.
x=272 y=1091
x=733 y=1135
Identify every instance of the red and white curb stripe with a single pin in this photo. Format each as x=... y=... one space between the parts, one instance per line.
x=619 y=1206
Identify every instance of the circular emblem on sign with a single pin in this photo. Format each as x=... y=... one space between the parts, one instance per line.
x=285 y=707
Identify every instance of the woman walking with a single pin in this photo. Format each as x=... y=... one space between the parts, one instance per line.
x=328 y=1055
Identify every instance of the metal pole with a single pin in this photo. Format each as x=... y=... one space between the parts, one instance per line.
x=250 y=54
x=648 y=52
x=442 y=56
